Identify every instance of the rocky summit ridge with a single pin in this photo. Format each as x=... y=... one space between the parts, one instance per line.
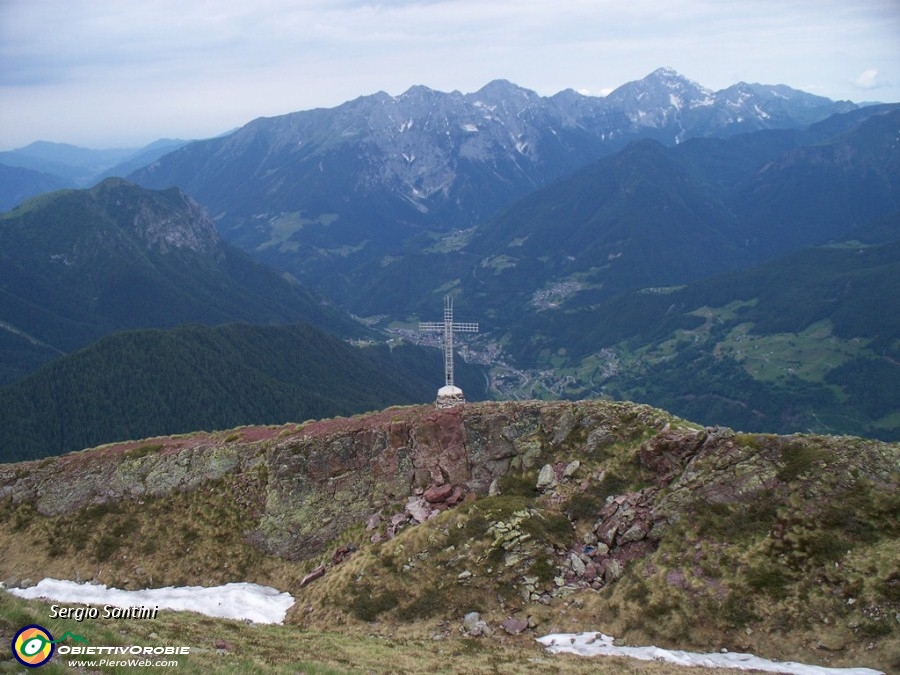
x=539 y=516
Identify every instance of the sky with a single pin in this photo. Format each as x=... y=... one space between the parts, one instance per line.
x=263 y=604
x=123 y=73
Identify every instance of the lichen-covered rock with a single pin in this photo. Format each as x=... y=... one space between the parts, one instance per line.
x=546 y=478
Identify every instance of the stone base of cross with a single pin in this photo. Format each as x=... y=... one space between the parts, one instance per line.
x=449 y=395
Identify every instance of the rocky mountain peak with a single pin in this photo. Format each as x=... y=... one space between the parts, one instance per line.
x=672 y=79
x=163 y=221
x=502 y=92
x=417 y=92
x=659 y=96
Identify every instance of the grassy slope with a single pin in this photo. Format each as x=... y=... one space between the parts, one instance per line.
x=286 y=649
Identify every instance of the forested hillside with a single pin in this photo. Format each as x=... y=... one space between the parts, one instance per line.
x=150 y=382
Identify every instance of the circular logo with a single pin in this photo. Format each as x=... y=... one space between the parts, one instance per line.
x=33 y=646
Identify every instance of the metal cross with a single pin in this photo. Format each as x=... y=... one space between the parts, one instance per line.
x=448 y=328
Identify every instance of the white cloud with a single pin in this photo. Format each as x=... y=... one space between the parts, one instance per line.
x=868 y=79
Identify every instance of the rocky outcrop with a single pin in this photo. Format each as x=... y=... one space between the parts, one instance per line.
x=308 y=483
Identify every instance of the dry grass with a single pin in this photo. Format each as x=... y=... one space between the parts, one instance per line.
x=368 y=649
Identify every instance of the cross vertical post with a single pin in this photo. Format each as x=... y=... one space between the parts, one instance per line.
x=448 y=328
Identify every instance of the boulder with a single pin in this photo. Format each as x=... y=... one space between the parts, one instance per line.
x=514 y=626
x=341 y=553
x=317 y=573
x=419 y=509
x=474 y=626
x=438 y=493
x=546 y=478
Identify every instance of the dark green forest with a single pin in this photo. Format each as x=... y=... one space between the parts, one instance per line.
x=144 y=383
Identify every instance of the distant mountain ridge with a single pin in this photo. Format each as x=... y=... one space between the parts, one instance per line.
x=43 y=166
x=319 y=192
x=18 y=184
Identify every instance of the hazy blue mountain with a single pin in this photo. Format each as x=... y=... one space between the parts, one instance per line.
x=75 y=166
x=142 y=157
x=819 y=191
x=18 y=184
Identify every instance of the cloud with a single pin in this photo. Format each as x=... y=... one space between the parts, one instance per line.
x=868 y=79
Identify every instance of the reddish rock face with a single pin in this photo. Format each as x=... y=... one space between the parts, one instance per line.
x=440 y=447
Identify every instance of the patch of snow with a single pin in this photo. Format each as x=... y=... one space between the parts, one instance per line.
x=598 y=644
x=469 y=127
x=675 y=101
x=259 y=604
x=762 y=113
x=482 y=104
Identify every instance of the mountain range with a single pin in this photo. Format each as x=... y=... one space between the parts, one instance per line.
x=646 y=214
x=622 y=247
x=320 y=193
x=43 y=166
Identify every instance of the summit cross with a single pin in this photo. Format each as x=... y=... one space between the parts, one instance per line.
x=448 y=328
